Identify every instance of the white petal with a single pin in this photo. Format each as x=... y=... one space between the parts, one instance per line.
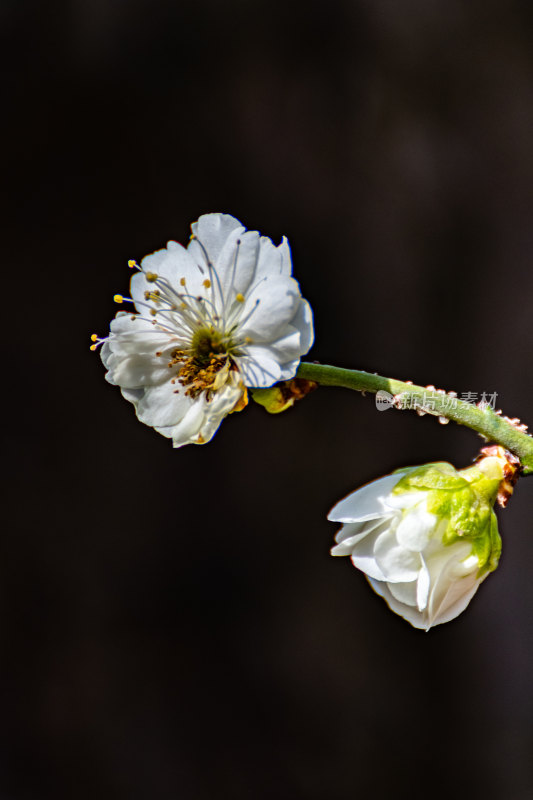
x=364 y=559
x=423 y=586
x=212 y=230
x=287 y=347
x=396 y=562
x=455 y=607
x=453 y=583
x=406 y=499
x=133 y=372
x=259 y=367
x=288 y=371
x=414 y=530
x=131 y=335
x=303 y=321
x=188 y=428
x=171 y=264
x=368 y=502
x=410 y=613
x=404 y=592
x=348 y=536
x=165 y=404
x=349 y=530
x=268 y=308
x=236 y=263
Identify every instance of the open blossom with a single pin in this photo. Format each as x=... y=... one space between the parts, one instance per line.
x=210 y=320
x=425 y=537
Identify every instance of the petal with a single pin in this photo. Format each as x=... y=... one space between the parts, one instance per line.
x=287 y=347
x=223 y=404
x=422 y=587
x=131 y=335
x=163 y=405
x=236 y=263
x=133 y=372
x=454 y=581
x=303 y=322
x=268 y=308
x=172 y=265
x=348 y=536
x=188 y=428
x=204 y=418
x=406 y=499
x=455 y=607
x=410 y=613
x=396 y=562
x=212 y=231
x=415 y=529
x=404 y=592
x=259 y=367
x=364 y=559
x=368 y=502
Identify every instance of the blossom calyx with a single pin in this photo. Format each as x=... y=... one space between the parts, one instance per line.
x=283 y=395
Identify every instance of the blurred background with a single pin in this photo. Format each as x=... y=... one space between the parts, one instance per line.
x=172 y=625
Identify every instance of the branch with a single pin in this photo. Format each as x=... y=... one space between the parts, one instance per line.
x=406 y=395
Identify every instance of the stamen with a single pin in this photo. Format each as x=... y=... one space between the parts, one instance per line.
x=97 y=341
x=207 y=283
x=133 y=264
x=237 y=248
x=215 y=273
x=243 y=322
x=239 y=297
x=151 y=277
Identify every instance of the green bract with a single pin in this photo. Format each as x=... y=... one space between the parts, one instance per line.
x=463 y=500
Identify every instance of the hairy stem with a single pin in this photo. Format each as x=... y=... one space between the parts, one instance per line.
x=406 y=395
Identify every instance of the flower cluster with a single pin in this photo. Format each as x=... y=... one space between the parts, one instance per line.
x=224 y=315
x=210 y=321
x=425 y=537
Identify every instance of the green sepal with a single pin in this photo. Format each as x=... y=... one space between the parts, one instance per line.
x=272 y=399
x=464 y=500
x=439 y=475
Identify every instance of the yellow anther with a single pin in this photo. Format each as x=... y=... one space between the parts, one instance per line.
x=182 y=281
x=118 y=298
x=153 y=312
x=94 y=337
x=240 y=297
x=150 y=276
x=207 y=283
x=147 y=295
x=132 y=263
x=93 y=347
x=248 y=340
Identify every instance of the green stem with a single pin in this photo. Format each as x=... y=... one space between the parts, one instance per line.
x=483 y=420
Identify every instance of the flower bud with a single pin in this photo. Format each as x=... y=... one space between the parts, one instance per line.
x=427 y=536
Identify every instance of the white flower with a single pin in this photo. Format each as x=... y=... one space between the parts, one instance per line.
x=214 y=318
x=426 y=537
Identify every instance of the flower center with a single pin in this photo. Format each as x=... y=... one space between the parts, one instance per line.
x=205 y=367
x=207 y=343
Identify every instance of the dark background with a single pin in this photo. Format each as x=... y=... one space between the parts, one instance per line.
x=172 y=626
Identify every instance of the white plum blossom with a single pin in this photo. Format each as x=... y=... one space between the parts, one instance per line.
x=209 y=321
x=425 y=537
